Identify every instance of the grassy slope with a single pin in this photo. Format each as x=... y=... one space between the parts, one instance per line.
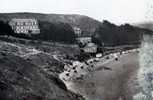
x=28 y=75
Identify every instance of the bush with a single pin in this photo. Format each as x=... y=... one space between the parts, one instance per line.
x=58 y=32
x=5 y=29
x=109 y=34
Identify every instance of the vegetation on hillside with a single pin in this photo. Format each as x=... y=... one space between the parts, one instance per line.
x=29 y=73
x=5 y=29
x=109 y=34
x=87 y=24
x=57 y=32
x=58 y=28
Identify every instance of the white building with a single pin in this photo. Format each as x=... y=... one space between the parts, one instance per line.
x=25 y=26
x=84 y=40
x=77 y=31
x=90 y=48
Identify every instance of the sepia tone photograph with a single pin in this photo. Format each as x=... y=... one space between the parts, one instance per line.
x=76 y=49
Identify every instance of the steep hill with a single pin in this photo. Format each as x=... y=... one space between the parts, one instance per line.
x=87 y=24
x=110 y=34
x=28 y=71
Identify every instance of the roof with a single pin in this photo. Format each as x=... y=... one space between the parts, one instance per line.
x=23 y=19
x=91 y=45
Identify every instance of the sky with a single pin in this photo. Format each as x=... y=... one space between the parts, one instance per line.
x=116 y=11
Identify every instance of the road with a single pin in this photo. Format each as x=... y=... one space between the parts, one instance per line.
x=119 y=83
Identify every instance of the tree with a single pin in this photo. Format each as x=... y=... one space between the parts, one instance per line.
x=59 y=32
x=5 y=28
x=112 y=35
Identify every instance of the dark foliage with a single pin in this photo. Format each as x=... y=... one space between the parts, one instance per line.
x=21 y=35
x=58 y=32
x=5 y=29
x=109 y=34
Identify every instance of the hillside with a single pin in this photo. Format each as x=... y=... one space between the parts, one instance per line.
x=29 y=71
x=87 y=24
x=109 y=34
x=30 y=67
x=58 y=28
x=146 y=25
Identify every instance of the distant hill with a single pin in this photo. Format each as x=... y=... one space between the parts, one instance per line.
x=146 y=25
x=87 y=24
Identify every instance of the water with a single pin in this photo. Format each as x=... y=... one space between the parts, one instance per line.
x=145 y=74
